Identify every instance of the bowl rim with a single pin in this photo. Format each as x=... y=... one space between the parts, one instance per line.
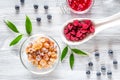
x=57 y=61
x=81 y=12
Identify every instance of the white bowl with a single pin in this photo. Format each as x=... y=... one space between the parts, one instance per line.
x=28 y=65
x=80 y=12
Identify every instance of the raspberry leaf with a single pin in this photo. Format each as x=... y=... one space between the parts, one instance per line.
x=28 y=25
x=71 y=61
x=11 y=26
x=79 y=52
x=16 y=40
x=64 y=53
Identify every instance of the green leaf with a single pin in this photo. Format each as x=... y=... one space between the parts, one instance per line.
x=28 y=25
x=11 y=26
x=77 y=51
x=71 y=61
x=16 y=40
x=64 y=52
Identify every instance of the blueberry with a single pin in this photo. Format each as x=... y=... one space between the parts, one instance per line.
x=103 y=68
x=110 y=52
x=88 y=72
x=49 y=16
x=46 y=7
x=35 y=6
x=98 y=73
x=90 y=64
x=115 y=62
x=38 y=19
x=109 y=73
x=17 y=7
x=22 y=1
x=97 y=54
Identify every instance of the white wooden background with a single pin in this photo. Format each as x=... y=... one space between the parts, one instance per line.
x=10 y=65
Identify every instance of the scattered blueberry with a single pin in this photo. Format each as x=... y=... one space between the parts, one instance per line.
x=35 y=6
x=22 y=1
x=90 y=64
x=46 y=7
x=98 y=74
x=38 y=19
x=17 y=7
x=110 y=52
x=97 y=54
x=88 y=72
x=115 y=62
x=103 y=68
x=49 y=17
x=109 y=73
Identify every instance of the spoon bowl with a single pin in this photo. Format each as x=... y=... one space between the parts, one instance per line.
x=100 y=25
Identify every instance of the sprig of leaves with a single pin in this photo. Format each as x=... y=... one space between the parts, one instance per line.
x=12 y=26
x=71 y=58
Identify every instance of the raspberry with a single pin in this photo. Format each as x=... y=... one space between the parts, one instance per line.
x=87 y=21
x=78 y=30
x=69 y=26
x=72 y=38
x=76 y=39
x=83 y=31
x=70 y=1
x=68 y=36
x=83 y=36
x=79 y=5
x=78 y=34
x=92 y=29
x=65 y=31
x=80 y=25
x=75 y=22
x=73 y=32
x=84 y=26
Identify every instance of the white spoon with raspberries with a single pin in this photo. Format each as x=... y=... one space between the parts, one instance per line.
x=79 y=30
